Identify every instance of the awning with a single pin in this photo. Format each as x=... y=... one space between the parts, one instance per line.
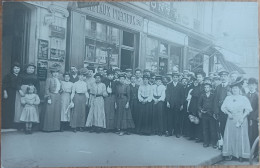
x=219 y=53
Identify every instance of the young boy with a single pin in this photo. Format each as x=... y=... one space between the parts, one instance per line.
x=252 y=95
x=208 y=122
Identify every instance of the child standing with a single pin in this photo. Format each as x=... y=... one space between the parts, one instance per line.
x=205 y=107
x=29 y=114
x=66 y=89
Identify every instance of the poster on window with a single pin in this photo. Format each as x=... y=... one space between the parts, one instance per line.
x=43 y=49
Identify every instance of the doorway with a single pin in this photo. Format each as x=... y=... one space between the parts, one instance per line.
x=16 y=29
x=163 y=65
x=126 y=59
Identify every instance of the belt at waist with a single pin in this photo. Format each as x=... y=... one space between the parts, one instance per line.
x=80 y=93
x=144 y=97
x=120 y=95
x=156 y=97
x=96 y=95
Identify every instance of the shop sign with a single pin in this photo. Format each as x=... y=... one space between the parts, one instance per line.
x=57 y=32
x=57 y=55
x=115 y=15
x=86 y=4
x=42 y=67
x=43 y=49
x=165 y=9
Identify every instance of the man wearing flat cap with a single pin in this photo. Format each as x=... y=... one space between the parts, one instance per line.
x=221 y=93
x=253 y=117
x=174 y=100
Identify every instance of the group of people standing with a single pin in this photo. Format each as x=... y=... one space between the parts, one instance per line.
x=204 y=109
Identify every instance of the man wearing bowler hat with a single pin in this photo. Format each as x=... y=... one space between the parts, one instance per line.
x=174 y=100
x=221 y=93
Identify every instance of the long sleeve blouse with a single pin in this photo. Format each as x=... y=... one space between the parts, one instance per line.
x=145 y=93
x=159 y=92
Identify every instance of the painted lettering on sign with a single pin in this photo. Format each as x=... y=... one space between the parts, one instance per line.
x=118 y=15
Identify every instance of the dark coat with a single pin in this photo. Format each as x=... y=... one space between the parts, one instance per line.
x=254 y=103
x=28 y=79
x=73 y=80
x=134 y=92
x=220 y=95
x=107 y=82
x=175 y=95
x=194 y=102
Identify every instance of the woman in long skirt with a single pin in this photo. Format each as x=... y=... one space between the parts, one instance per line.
x=79 y=97
x=124 y=120
x=96 y=117
x=110 y=101
x=158 y=106
x=145 y=96
x=52 y=93
x=236 y=140
x=66 y=88
x=134 y=103
x=11 y=86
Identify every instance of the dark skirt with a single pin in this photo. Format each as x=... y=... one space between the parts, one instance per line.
x=8 y=109
x=123 y=116
x=134 y=109
x=78 y=113
x=110 y=111
x=158 y=119
x=145 y=118
x=52 y=114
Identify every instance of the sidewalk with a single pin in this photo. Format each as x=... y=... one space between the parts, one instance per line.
x=68 y=149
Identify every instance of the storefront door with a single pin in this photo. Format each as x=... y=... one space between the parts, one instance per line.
x=16 y=22
x=163 y=65
x=126 y=59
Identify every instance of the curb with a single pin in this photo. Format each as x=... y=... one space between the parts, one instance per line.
x=212 y=161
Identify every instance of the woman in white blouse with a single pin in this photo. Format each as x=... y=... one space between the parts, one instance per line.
x=145 y=97
x=79 y=97
x=158 y=106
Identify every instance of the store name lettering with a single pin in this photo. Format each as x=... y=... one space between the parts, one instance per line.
x=116 y=14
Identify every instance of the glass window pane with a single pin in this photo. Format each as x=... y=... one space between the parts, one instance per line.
x=90 y=51
x=101 y=31
x=151 y=47
x=151 y=63
x=128 y=39
x=115 y=36
x=175 y=58
x=164 y=48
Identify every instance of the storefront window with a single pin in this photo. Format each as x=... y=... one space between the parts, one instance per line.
x=128 y=39
x=175 y=58
x=151 y=47
x=102 y=43
x=163 y=48
x=191 y=61
x=151 y=63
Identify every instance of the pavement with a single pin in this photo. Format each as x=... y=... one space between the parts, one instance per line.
x=68 y=149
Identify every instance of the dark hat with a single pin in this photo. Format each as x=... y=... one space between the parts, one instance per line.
x=252 y=81
x=116 y=69
x=97 y=74
x=169 y=74
x=152 y=75
x=109 y=72
x=121 y=75
x=216 y=78
x=207 y=78
x=138 y=69
x=158 y=77
x=17 y=64
x=175 y=74
x=146 y=76
x=83 y=71
x=146 y=70
x=92 y=68
x=201 y=72
x=30 y=64
x=184 y=78
x=239 y=81
x=223 y=73
x=207 y=83
x=128 y=70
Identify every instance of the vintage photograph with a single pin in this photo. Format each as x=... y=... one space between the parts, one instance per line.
x=144 y=83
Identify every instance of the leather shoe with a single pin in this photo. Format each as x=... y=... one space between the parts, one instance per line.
x=205 y=145
x=177 y=136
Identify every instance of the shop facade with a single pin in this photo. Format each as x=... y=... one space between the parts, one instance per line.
x=131 y=35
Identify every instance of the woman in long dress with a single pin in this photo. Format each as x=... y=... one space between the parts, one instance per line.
x=145 y=97
x=236 y=140
x=79 y=97
x=52 y=93
x=123 y=116
x=110 y=101
x=96 y=117
x=11 y=86
x=158 y=106
x=66 y=89
x=28 y=78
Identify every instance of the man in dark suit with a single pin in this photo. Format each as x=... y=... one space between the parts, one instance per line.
x=221 y=93
x=252 y=95
x=175 y=99
x=73 y=74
